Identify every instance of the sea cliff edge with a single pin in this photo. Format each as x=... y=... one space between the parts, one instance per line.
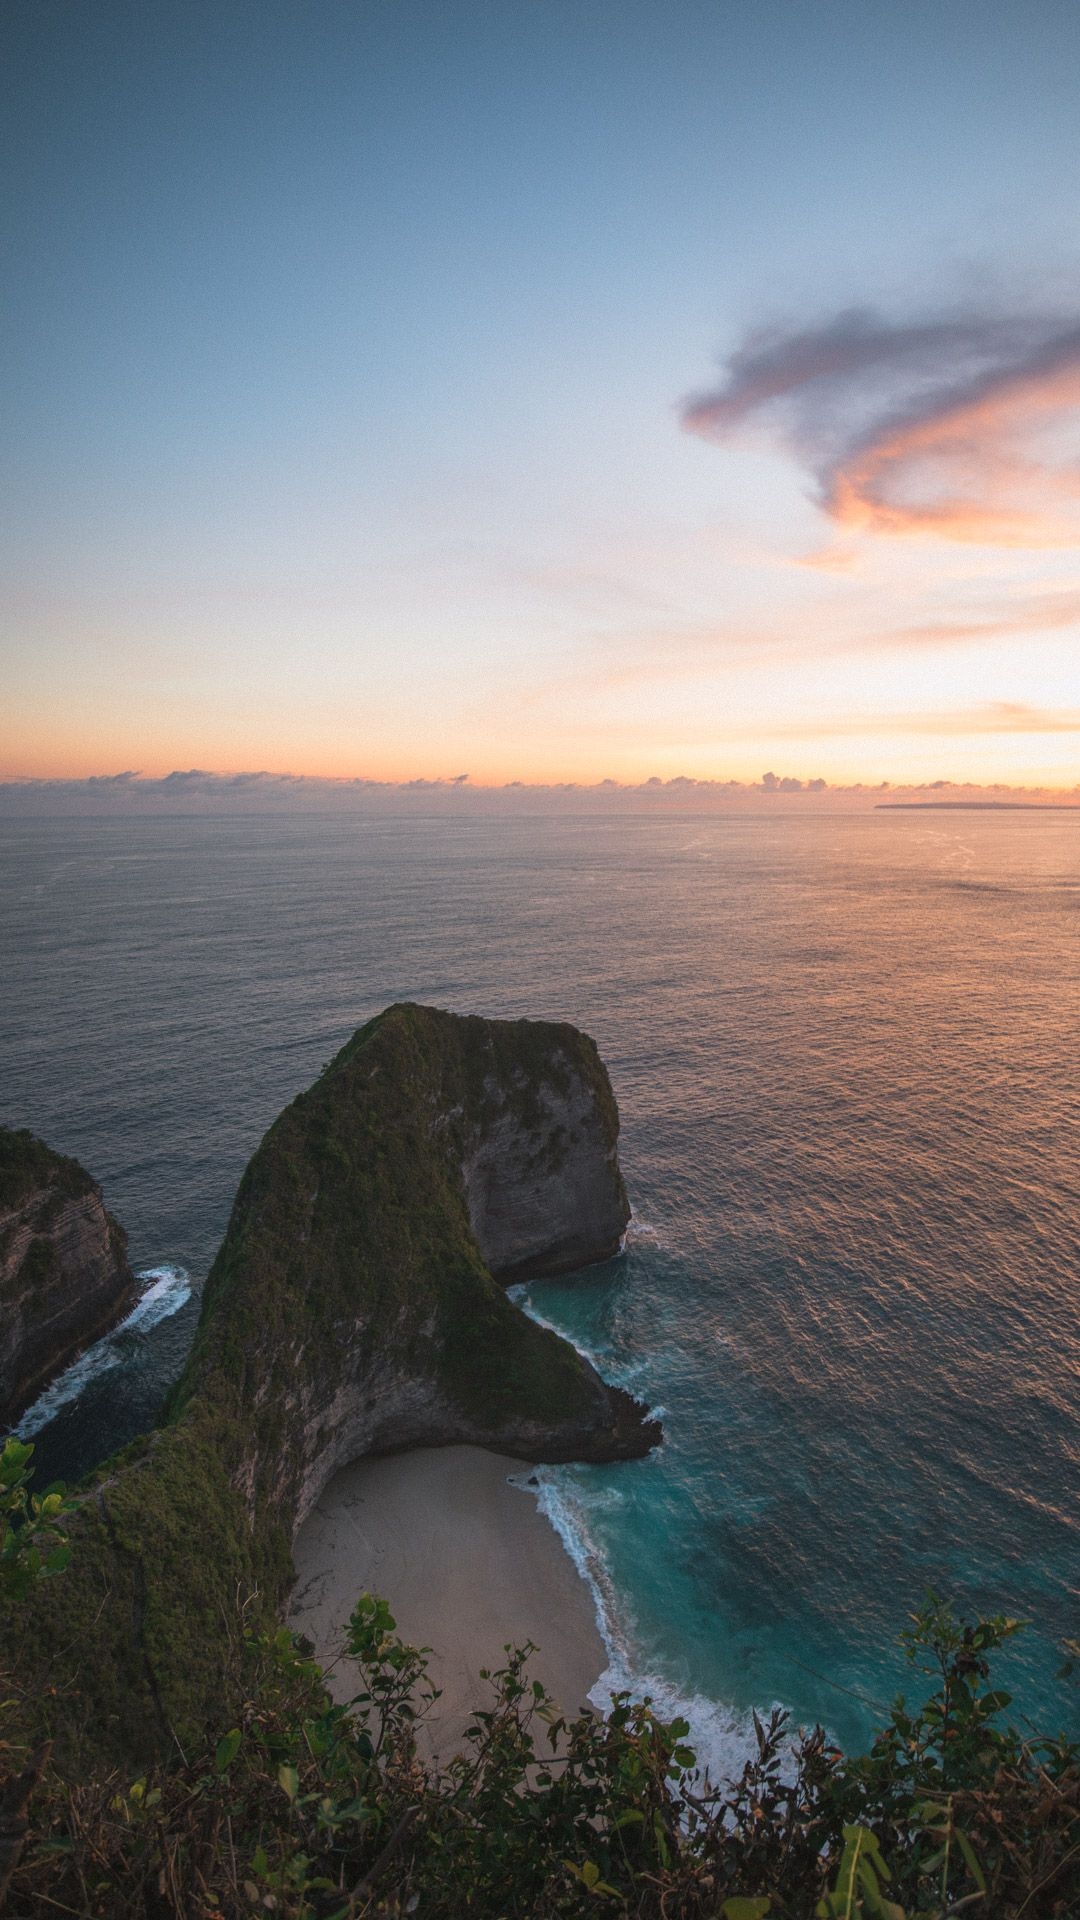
x=354 y=1308
x=64 y=1274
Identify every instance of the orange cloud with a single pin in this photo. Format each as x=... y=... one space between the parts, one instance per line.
x=1042 y=613
x=995 y=716
x=966 y=428
x=971 y=471
x=676 y=654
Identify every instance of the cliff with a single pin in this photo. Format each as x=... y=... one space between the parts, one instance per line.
x=64 y=1276
x=433 y=1149
x=351 y=1309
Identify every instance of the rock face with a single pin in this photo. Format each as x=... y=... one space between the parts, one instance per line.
x=64 y=1276
x=543 y=1188
x=433 y=1150
x=351 y=1309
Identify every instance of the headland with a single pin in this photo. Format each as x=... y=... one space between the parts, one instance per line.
x=357 y=1308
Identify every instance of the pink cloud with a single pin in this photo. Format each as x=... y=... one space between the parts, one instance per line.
x=965 y=427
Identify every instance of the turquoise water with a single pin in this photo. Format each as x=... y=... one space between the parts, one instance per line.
x=847 y=1057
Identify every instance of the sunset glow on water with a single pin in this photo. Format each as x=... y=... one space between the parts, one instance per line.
x=573 y=511
x=845 y=1052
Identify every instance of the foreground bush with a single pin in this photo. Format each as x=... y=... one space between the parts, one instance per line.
x=308 y=1810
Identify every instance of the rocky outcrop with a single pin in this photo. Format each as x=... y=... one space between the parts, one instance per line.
x=542 y=1180
x=351 y=1309
x=64 y=1276
x=435 y=1148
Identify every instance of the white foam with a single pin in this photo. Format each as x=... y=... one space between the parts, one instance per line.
x=167 y=1292
x=101 y=1358
x=521 y=1298
x=639 y=1229
x=569 y=1525
x=618 y=1373
x=722 y=1738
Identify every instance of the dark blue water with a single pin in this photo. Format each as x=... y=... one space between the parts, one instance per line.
x=847 y=1056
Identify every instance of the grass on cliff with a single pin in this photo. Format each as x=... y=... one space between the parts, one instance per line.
x=28 y=1168
x=353 y=1207
x=27 y=1165
x=349 y=1250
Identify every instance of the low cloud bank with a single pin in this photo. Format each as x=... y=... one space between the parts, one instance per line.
x=130 y=794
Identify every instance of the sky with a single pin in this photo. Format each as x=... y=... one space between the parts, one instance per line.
x=543 y=392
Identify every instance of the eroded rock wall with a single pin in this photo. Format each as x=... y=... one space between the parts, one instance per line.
x=435 y=1149
x=351 y=1309
x=543 y=1186
x=64 y=1276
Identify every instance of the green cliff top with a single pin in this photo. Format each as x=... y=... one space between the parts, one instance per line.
x=348 y=1311
x=27 y=1166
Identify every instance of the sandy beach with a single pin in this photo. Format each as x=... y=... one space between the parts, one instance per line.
x=467 y=1563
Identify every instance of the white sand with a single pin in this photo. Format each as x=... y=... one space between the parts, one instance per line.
x=467 y=1564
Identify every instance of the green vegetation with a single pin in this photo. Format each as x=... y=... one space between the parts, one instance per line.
x=168 y=1751
x=307 y=1810
x=32 y=1545
x=27 y=1164
x=352 y=1215
x=348 y=1275
x=28 y=1168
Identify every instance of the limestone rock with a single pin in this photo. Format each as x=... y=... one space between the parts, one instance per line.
x=543 y=1189
x=435 y=1148
x=351 y=1309
x=64 y=1276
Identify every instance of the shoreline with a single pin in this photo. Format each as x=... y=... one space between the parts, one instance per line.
x=467 y=1562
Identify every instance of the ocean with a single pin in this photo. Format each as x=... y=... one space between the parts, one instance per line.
x=846 y=1050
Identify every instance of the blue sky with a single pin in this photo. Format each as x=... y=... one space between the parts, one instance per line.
x=347 y=357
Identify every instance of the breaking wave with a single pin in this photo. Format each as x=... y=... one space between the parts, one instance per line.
x=722 y=1738
x=166 y=1291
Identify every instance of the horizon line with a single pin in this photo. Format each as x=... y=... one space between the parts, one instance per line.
x=131 y=790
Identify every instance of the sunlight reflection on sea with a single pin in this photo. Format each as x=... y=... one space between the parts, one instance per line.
x=846 y=1054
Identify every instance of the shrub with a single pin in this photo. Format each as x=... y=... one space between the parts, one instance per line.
x=314 y=1811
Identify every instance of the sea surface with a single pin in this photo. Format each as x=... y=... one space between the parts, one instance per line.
x=846 y=1051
